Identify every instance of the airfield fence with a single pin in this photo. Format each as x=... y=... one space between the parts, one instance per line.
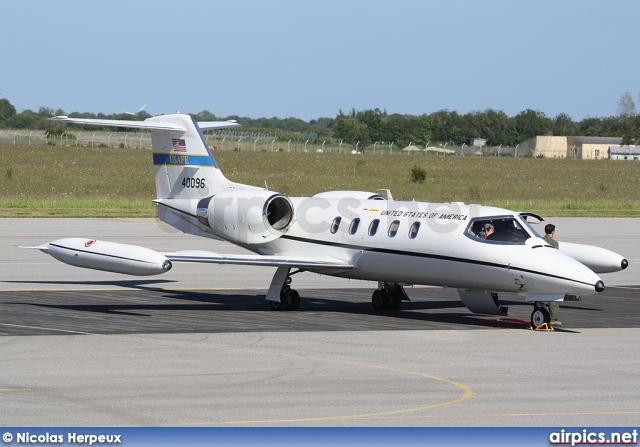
x=235 y=140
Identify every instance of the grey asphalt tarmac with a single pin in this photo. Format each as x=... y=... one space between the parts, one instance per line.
x=198 y=346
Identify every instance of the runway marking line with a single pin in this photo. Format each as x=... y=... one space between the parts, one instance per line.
x=518 y=415
x=47 y=329
x=467 y=393
x=4 y=390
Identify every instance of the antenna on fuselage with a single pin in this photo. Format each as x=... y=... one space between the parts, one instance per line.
x=389 y=196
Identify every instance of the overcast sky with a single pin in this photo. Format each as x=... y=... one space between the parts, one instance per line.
x=309 y=59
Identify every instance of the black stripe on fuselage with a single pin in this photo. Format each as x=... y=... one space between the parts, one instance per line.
x=425 y=255
x=405 y=253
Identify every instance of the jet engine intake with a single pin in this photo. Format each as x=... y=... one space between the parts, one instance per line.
x=248 y=217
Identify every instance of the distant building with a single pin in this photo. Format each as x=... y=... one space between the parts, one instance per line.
x=477 y=142
x=624 y=152
x=587 y=148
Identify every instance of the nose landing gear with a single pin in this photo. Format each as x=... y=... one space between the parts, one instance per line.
x=540 y=318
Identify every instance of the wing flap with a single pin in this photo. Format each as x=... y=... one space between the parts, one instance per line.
x=270 y=261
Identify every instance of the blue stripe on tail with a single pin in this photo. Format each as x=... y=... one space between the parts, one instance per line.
x=183 y=160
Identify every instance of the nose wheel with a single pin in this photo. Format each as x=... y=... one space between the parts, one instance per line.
x=540 y=316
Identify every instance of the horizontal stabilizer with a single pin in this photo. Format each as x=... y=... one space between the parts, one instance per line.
x=120 y=123
x=149 y=124
x=210 y=125
x=270 y=261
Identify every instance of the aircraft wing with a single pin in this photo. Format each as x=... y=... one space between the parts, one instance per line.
x=270 y=261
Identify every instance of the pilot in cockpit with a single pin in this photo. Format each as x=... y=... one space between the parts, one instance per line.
x=487 y=230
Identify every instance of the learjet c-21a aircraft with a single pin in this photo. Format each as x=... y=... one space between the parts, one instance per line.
x=349 y=234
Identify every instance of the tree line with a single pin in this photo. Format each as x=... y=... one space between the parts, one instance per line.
x=365 y=127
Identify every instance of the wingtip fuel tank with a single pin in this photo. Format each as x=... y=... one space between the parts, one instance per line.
x=598 y=259
x=107 y=256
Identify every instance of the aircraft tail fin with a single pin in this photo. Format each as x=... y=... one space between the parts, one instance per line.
x=184 y=165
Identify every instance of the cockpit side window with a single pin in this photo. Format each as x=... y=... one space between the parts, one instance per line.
x=497 y=229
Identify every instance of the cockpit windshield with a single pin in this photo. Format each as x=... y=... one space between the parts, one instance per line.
x=497 y=229
x=531 y=229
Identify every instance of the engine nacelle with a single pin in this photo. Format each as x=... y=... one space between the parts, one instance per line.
x=248 y=217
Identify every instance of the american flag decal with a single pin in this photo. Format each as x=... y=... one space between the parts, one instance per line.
x=179 y=145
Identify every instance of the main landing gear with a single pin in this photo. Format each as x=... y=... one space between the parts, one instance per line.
x=388 y=297
x=289 y=298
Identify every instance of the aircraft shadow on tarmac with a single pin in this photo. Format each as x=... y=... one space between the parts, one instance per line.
x=129 y=283
x=144 y=307
x=218 y=311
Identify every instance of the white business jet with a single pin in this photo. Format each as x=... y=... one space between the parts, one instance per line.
x=481 y=251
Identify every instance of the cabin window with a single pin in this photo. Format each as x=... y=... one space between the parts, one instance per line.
x=393 y=228
x=335 y=225
x=413 y=231
x=354 y=226
x=373 y=226
x=498 y=229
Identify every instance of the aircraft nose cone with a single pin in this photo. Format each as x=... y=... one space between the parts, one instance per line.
x=624 y=264
x=599 y=286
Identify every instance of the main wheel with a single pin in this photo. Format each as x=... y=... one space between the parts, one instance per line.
x=395 y=301
x=540 y=315
x=294 y=296
x=379 y=299
x=278 y=305
x=286 y=300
